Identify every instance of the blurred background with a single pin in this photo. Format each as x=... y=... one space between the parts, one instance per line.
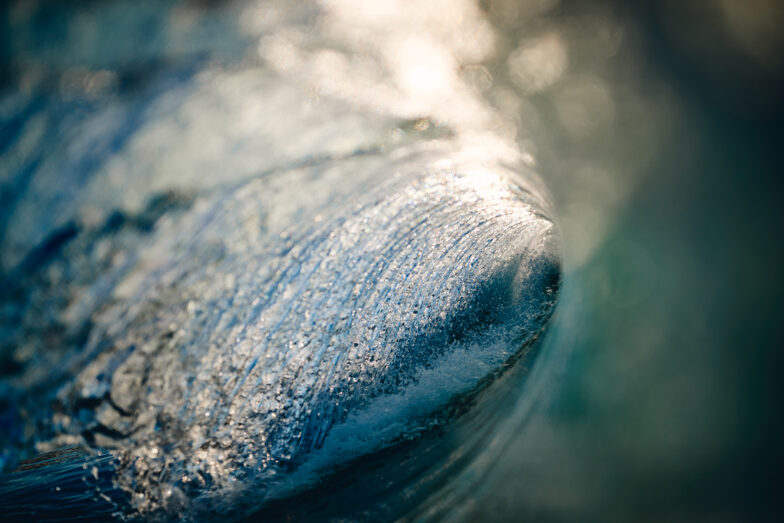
x=660 y=395
x=655 y=125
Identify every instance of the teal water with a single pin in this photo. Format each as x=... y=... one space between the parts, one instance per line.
x=653 y=392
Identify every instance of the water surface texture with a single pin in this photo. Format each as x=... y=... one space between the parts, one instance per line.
x=350 y=260
x=239 y=276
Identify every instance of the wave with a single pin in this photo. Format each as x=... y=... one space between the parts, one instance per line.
x=233 y=292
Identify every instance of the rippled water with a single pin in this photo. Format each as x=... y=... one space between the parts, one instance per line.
x=297 y=260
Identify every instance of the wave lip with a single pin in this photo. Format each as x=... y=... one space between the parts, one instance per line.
x=280 y=329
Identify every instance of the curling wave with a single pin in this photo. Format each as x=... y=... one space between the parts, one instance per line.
x=324 y=284
x=292 y=326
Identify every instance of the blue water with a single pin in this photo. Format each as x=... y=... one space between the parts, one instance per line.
x=238 y=314
x=358 y=261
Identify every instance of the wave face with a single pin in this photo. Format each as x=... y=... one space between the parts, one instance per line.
x=238 y=288
x=274 y=318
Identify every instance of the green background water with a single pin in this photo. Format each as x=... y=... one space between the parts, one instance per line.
x=663 y=399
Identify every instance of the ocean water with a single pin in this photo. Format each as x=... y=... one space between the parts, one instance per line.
x=398 y=261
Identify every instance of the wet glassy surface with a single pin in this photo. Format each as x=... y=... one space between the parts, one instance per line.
x=503 y=260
